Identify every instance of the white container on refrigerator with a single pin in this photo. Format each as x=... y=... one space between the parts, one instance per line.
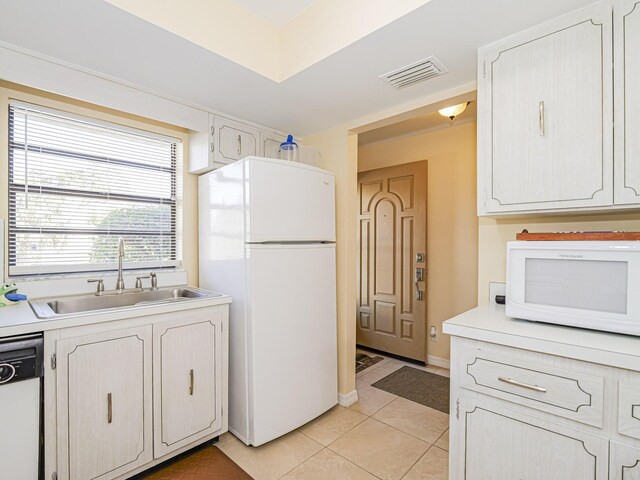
x=267 y=233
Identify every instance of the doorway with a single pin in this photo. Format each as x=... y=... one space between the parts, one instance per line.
x=391 y=297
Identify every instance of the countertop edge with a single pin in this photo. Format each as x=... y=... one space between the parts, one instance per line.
x=27 y=322
x=482 y=323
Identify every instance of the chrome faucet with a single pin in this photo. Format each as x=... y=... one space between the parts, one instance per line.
x=120 y=280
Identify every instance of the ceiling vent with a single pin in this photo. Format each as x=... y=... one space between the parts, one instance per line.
x=417 y=72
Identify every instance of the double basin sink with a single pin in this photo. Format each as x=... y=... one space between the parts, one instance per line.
x=90 y=303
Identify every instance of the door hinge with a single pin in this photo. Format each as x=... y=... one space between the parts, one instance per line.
x=54 y=362
x=54 y=476
x=484 y=69
x=458 y=409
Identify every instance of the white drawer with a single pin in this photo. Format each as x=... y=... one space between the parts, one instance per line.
x=543 y=382
x=629 y=408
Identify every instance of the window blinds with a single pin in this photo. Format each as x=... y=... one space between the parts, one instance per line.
x=76 y=185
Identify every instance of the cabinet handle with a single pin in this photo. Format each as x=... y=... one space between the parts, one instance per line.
x=510 y=381
x=191 y=382
x=239 y=144
x=109 y=408
x=541 y=107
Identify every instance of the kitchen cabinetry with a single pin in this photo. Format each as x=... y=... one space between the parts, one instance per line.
x=104 y=403
x=234 y=140
x=188 y=360
x=504 y=444
x=627 y=101
x=132 y=393
x=545 y=117
x=541 y=401
x=226 y=141
x=270 y=144
x=624 y=463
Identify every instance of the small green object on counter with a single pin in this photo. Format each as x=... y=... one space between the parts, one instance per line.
x=5 y=289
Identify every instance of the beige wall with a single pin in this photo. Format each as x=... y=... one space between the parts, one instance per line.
x=338 y=153
x=493 y=235
x=190 y=182
x=452 y=224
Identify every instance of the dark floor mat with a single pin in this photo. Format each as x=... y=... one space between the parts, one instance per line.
x=364 y=361
x=427 y=388
x=203 y=464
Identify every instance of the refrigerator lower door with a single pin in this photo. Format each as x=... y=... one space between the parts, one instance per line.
x=291 y=334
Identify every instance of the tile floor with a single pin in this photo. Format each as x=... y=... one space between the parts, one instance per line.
x=382 y=436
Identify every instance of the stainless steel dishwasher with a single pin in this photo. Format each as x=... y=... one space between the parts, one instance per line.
x=21 y=439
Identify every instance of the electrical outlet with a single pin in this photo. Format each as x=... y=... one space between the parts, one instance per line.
x=433 y=334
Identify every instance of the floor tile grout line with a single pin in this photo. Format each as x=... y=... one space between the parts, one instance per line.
x=406 y=433
x=443 y=434
x=342 y=435
x=304 y=461
x=416 y=462
x=354 y=463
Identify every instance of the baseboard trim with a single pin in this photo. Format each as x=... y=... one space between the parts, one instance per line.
x=438 y=362
x=346 y=399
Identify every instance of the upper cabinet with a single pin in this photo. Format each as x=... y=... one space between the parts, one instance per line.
x=270 y=144
x=627 y=101
x=545 y=116
x=228 y=140
x=234 y=140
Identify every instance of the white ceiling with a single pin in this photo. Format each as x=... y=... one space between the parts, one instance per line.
x=416 y=125
x=278 y=12
x=343 y=87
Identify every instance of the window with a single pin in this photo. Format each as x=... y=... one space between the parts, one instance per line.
x=76 y=185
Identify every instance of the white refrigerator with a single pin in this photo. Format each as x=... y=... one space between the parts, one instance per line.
x=267 y=238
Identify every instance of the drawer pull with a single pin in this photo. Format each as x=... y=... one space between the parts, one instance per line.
x=191 y=382
x=510 y=381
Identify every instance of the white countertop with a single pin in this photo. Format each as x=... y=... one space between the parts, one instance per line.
x=19 y=319
x=490 y=324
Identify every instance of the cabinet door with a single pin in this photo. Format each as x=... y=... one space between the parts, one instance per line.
x=270 y=144
x=500 y=444
x=104 y=404
x=624 y=463
x=187 y=381
x=234 y=140
x=545 y=117
x=627 y=95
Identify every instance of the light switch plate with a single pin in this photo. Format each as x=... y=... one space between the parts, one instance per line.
x=496 y=288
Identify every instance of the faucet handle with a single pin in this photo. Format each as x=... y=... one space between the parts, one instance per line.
x=154 y=281
x=139 y=281
x=100 y=287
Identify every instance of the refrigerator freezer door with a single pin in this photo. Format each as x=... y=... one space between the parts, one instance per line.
x=291 y=337
x=288 y=202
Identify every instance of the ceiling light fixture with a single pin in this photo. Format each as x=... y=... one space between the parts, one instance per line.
x=454 y=111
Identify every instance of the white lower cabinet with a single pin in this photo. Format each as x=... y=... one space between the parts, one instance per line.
x=504 y=444
x=188 y=359
x=522 y=414
x=104 y=404
x=625 y=462
x=132 y=396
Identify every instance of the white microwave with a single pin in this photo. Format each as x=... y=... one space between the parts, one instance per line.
x=586 y=284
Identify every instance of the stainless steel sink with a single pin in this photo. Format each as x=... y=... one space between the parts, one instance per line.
x=91 y=303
